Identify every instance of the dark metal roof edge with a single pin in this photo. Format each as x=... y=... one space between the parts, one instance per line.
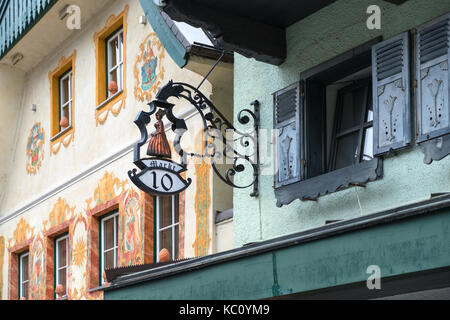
x=175 y=30
x=326 y=231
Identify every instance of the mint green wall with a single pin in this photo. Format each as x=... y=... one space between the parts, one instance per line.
x=320 y=37
x=415 y=244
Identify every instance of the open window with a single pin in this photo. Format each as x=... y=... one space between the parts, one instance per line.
x=340 y=118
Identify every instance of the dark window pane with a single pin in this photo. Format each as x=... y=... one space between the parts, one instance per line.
x=165 y=238
x=352 y=108
x=62 y=253
x=116 y=221
x=165 y=211
x=176 y=208
x=25 y=273
x=112 y=76
x=367 y=153
x=346 y=150
x=109 y=234
x=369 y=116
x=65 y=112
x=113 y=46
x=25 y=290
x=62 y=277
x=109 y=259
x=176 y=242
x=65 y=90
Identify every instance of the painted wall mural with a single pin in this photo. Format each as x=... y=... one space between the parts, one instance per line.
x=132 y=231
x=79 y=266
x=35 y=149
x=22 y=233
x=60 y=213
x=202 y=203
x=37 y=282
x=149 y=68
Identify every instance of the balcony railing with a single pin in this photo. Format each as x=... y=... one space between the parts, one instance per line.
x=17 y=17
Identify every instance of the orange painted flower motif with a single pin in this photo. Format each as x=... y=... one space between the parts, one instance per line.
x=79 y=253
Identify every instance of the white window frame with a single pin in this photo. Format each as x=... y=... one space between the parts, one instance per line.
x=63 y=104
x=118 y=64
x=171 y=226
x=21 y=281
x=57 y=266
x=115 y=248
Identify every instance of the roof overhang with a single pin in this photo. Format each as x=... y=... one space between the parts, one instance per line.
x=255 y=29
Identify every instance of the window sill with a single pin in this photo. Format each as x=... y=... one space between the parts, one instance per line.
x=110 y=99
x=61 y=133
x=330 y=182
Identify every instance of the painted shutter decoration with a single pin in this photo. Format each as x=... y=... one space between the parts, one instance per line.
x=287 y=123
x=432 y=47
x=391 y=98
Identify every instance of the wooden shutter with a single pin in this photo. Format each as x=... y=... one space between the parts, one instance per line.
x=432 y=59
x=391 y=97
x=287 y=135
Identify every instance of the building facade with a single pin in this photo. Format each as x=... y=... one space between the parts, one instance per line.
x=73 y=77
x=354 y=167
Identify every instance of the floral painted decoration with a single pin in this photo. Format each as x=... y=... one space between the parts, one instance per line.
x=35 y=149
x=149 y=69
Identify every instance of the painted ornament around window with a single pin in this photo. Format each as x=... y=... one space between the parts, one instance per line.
x=35 y=149
x=149 y=68
x=132 y=232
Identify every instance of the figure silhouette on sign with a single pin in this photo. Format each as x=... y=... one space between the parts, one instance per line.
x=158 y=145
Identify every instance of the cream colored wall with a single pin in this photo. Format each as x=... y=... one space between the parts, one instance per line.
x=92 y=144
x=11 y=88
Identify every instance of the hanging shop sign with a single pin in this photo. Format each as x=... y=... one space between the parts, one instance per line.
x=160 y=175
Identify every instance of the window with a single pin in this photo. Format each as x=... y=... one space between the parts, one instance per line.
x=109 y=241
x=353 y=132
x=167 y=222
x=335 y=123
x=110 y=56
x=62 y=103
x=61 y=262
x=24 y=275
x=65 y=99
x=114 y=54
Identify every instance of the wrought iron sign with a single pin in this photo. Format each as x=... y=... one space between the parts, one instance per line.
x=160 y=175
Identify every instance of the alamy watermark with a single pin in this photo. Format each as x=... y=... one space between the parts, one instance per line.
x=74 y=17
x=374 y=20
x=374 y=280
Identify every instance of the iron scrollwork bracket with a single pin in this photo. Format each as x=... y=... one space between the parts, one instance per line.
x=216 y=129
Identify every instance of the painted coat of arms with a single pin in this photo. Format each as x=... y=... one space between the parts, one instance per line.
x=149 y=68
x=35 y=149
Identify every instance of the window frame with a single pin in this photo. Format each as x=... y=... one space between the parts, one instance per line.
x=56 y=264
x=112 y=215
x=60 y=137
x=21 y=283
x=172 y=226
x=67 y=75
x=119 y=35
x=105 y=104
